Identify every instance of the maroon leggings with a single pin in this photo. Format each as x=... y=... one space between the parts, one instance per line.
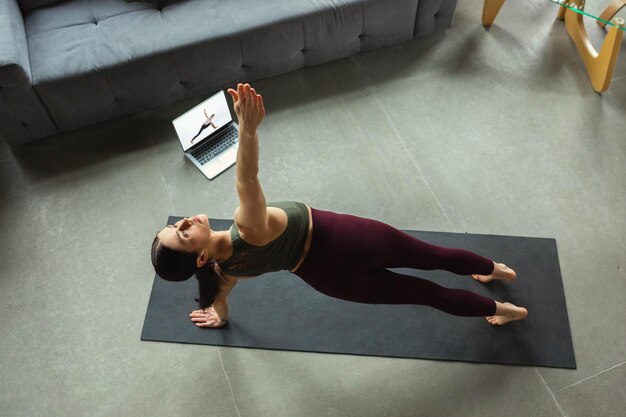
x=349 y=256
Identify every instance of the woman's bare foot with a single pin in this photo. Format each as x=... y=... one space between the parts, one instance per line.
x=506 y=312
x=500 y=271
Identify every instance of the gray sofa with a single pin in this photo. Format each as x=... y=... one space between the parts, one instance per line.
x=68 y=64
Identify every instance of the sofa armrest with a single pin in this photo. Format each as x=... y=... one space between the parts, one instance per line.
x=14 y=63
x=23 y=117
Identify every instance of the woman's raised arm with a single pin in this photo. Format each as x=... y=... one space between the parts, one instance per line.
x=252 y=211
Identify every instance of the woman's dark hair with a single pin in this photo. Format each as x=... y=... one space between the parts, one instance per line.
x=174 y=265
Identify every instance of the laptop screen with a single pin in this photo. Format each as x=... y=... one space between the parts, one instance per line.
x=201 y=121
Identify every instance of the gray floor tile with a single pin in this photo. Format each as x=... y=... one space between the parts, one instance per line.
x=617 y=93
x=487 y=154
x=601 y=396
x=526 y=44
x=267 y=383
x=76 y=278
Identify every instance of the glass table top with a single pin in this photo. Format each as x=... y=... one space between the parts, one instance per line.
x=592 y=9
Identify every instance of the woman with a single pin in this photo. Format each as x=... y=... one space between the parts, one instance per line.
x=340 y=255
x=208 y=122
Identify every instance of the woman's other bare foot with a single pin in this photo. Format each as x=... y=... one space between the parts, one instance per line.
x=500 y=271
x=506 y=312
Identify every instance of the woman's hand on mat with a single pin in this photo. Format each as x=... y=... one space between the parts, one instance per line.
x=207 y=318
x=249 y=107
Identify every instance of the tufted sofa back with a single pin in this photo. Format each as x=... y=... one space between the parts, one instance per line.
x=28 y=5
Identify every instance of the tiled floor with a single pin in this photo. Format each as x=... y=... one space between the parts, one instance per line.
x=484 y=131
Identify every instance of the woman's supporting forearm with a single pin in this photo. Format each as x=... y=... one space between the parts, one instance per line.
x=221 y=308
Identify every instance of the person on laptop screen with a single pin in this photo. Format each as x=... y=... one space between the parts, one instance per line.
x=208 y=122
x=340 y=255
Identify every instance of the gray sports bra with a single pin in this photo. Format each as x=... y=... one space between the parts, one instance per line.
x=283 y=253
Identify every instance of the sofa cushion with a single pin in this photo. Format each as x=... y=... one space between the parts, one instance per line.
x=99 y=59
x=83 y=36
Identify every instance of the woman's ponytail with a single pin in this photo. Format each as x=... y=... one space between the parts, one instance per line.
x=208 y=284
x=175 y=265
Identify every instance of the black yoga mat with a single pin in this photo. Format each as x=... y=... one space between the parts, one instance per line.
x=280 y=311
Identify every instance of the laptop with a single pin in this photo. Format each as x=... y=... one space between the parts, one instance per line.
x=209 y=136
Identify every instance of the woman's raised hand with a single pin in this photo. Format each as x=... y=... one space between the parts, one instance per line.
x=248 y=106
x=207 y=318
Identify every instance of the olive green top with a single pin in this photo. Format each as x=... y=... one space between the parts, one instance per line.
x=282 y=253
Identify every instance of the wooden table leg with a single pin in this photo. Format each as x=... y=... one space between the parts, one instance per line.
x=599 y=65
x=491 y=9
x=611 y=11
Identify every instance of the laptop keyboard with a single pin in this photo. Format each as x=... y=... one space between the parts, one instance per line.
x=214 y=147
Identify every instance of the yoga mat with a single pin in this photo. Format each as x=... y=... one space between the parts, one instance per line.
x=280 y=311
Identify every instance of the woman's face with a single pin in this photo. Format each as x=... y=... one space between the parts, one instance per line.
x=191 y=234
